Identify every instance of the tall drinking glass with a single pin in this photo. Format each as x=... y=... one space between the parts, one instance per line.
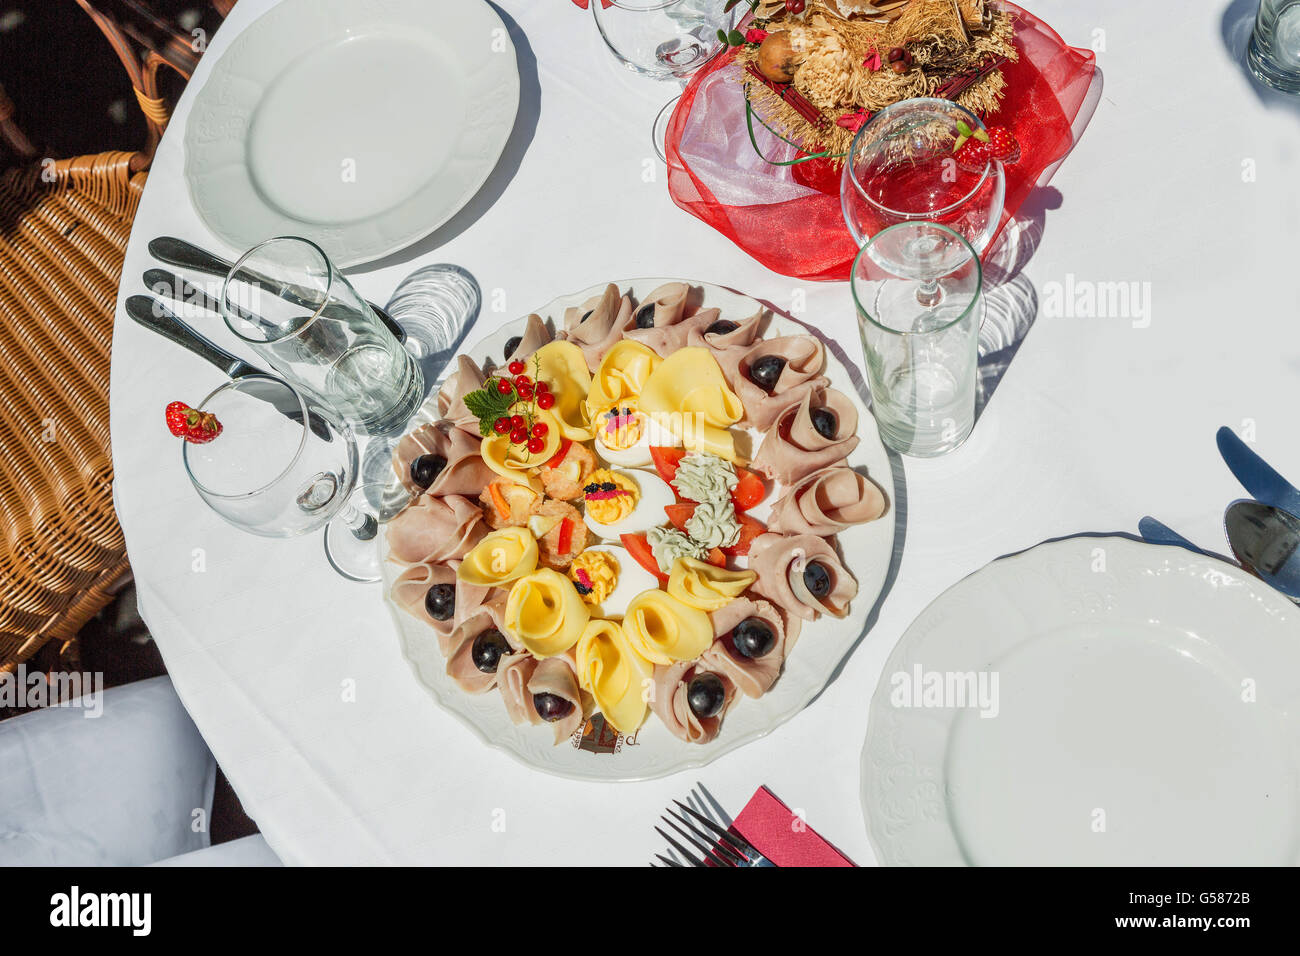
x=901 y=168
x=1274 y=51
x=294 y=308
x=917 y=288
x=665 y=39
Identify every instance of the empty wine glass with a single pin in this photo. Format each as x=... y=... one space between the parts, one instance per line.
x=917 y=288
x=283 y=466
x=665 y=39
x=901 y=168
x=289 y=302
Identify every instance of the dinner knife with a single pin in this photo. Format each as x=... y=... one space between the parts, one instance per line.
x=185 y=255
x=153 y=315
x=1255 y=474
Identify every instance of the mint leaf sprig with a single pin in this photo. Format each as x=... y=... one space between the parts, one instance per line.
x=487 y=405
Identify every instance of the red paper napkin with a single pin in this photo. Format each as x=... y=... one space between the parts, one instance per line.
x=781 y=836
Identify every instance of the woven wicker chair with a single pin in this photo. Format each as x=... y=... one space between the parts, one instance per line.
x=64 y=226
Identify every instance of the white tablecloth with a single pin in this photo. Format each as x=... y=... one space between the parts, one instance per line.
x=1184 y=185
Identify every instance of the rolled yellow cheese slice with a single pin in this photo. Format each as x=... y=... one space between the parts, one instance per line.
x=501 y=557
x=662 y=629
x=516 y=462
x=704 y=586
x=614 y=673
x=622 y=375
x=545 y=613
x=688 y=394
x=562 y=367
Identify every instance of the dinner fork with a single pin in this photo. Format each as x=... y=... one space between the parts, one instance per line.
x=716 y=845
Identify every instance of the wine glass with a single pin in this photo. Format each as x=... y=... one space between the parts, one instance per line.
x=288 y=301
x=284 y=465
x=665 y=39
x=901 y=168
x=917 y=287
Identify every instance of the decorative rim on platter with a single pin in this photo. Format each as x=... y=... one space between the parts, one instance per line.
x=1021 y=598
x=218 y=170
x=653 y=751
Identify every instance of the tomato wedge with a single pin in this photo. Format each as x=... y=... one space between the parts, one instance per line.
x=717 y=558
x=566 y=537
x=750 y=528
x=749 y=489
x=666 y=461
x=642 y=554
x=680 y=513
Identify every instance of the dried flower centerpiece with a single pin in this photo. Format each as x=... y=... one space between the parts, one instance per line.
x=815 y=70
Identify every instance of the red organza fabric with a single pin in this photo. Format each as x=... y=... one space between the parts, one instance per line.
x=788 y=217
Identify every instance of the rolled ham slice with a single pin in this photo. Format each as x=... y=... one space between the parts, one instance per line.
x=598 y=324
x=521 y=675
x=451 y=397
x=459 y=646
x=413 y=584
x=793 y=448
x=805 y=358
x=556 y=675
x=536 y=334
x=432 y=530
x=780 y=560
x=667 y=339
x=465 y=473
x=670 y=705
x=753 y=676
x=513 y=674
x=826 y=502
x=744 y=334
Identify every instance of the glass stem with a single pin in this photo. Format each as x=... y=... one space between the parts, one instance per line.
x=928 y=293
x=363 y=526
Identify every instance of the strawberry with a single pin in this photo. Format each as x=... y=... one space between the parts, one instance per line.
x=974 y=149
x=192 y=425
x=973 y=155
x=1003 y=145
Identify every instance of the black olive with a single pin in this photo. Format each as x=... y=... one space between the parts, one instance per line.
x=722 y=327
x=825 y=422
x=753 y=637
x=440 y=601
x=488 y=649
x=817 y=579
x=585 y=316
x=551 y=707
x=512 y=343
x=766 y=371
x=426 y=469
x=705 y=695
x=645 y=316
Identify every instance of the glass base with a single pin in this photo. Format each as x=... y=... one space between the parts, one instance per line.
x=1269 y=73
x=659 y=132
x=352 y=538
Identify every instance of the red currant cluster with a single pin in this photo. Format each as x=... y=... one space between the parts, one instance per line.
x=517 y=426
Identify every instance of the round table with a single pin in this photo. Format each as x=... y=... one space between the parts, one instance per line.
x=1181 y=191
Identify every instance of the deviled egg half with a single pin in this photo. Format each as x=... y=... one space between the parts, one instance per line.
x=619 y=501
x=624 y=435
x=608 y=578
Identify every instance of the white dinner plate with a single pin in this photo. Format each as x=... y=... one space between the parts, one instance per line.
x=652 y=751
x=362 y=126
x=1147 y=712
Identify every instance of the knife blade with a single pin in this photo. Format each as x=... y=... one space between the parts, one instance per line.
x=185 y=255
x=1255 y=474
x=153 y=315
